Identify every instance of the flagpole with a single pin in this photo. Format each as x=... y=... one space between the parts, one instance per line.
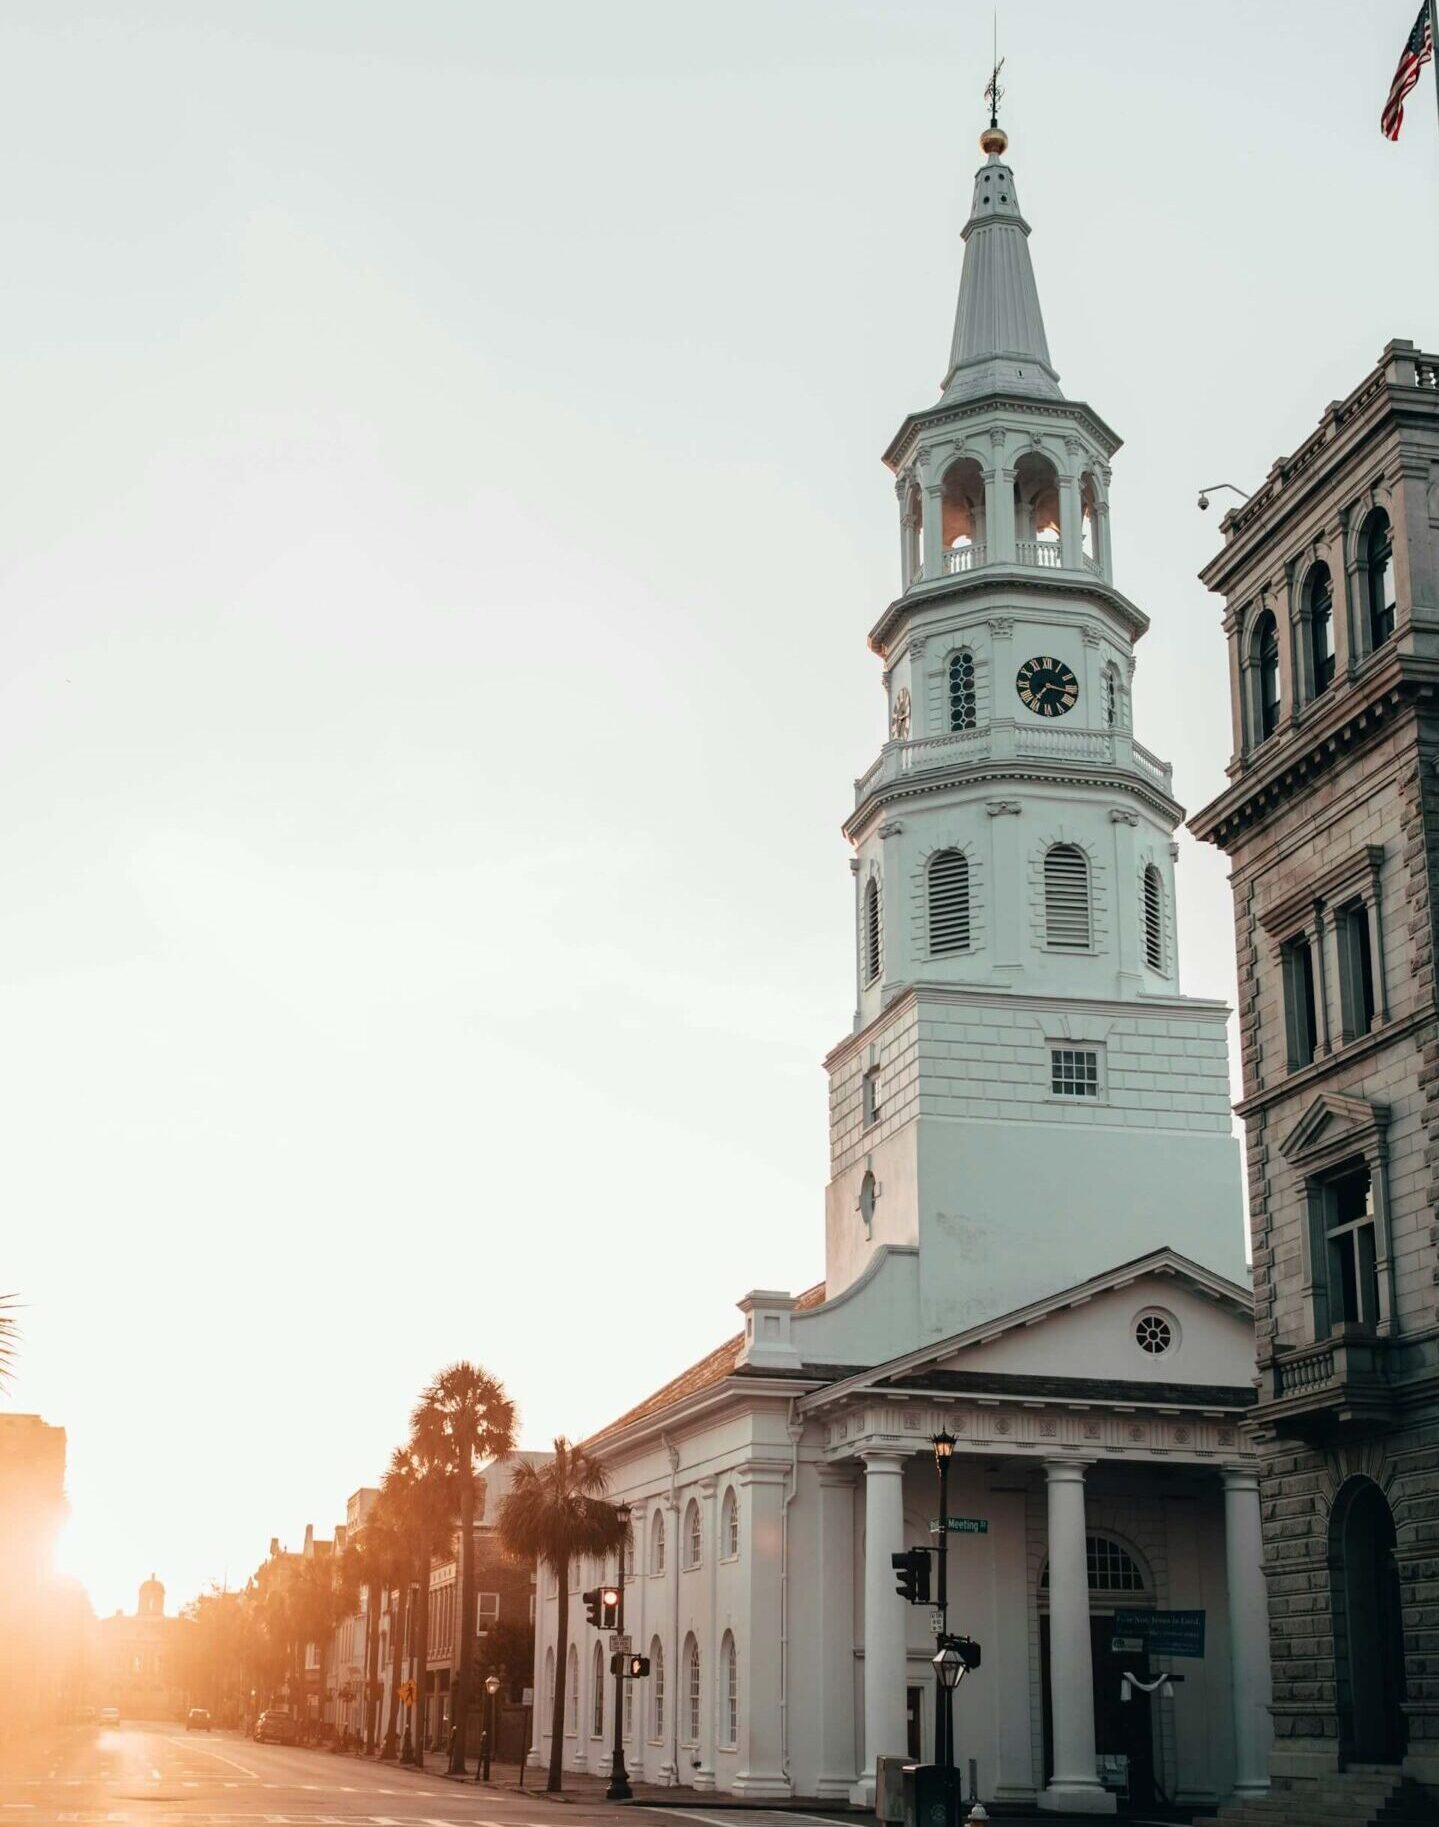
x=1434 y=45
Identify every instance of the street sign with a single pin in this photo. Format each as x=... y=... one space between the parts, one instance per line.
x=936 y=1623
x=962 y=1525
x=1164 y=1633
x=620 y=1645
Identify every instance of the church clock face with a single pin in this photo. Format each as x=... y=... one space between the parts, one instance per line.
x=1047 y=686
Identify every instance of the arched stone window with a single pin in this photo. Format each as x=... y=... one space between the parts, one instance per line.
x=692 y=1536
x=1265 y=649
x=948 y=885
x=1376 y=546
x=572 y=1691
x=657 y=1689
x=691 y=1713
x=1067 y=926
x=729 y=1694
x=1319 y=607
x=597 y=1692
x=549 y=1687
x=729 y=1525
x=871 y=935
x=657 y=1544
x=1153 y=918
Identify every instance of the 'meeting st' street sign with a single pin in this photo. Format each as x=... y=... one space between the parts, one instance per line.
x=962 y=1525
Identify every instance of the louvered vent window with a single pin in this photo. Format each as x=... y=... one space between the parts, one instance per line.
x=1153 y=919
x=963 y=706
x=1111 y=698
x=1066 y=899
x=948 y=903
x=871 y=936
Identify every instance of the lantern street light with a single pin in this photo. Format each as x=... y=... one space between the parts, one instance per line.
x=619 y=1784
x=943 y=1443
x=949 y=1667
x=487 y=1737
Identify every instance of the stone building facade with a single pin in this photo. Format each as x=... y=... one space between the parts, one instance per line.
x=1331 y=820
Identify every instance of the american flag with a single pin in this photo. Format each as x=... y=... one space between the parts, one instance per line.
x=1418 y=49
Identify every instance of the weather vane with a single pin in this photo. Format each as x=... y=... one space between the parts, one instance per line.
x=993 y=94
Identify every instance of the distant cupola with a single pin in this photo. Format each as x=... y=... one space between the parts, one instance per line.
x=999 y=342
x=152 y=1598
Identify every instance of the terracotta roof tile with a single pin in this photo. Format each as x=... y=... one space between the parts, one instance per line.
x=722 y=1362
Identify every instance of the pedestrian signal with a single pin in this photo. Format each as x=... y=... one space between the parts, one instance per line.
x=912 y=1566
x=968 y=1650
x=609 y=1607
x=630 y=1668
x=592 y=1605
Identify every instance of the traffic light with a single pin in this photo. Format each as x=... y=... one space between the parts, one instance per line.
x=968 y=1649
x=609 y=1608
x=592 y=1605
x=633 y=1668
x=912 y=1566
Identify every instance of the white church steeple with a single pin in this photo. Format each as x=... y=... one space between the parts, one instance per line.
x=1026 y=1097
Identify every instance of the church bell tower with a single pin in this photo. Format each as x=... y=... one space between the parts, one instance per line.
x=1026 y=1097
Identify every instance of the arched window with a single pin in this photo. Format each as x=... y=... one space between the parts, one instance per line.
x=1266 y=654
x=729 y=1525
x=549 y=1687
x=1153 y=918
x=629 y=1551
x=1066 y=898
x=729 y=1694
x=691 y=1692
x=692 y=1535
x=1109 y=685
x=948 y=903
x=657 y=1543
x=871 y=940
x=572 y=1691
x=1111 y=1568
x=657 y=1688
x=963 y=702
x=1319 y=592
x=597 y=1693
x=1378 y=550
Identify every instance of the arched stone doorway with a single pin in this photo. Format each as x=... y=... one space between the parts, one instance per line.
x=1368 y=1626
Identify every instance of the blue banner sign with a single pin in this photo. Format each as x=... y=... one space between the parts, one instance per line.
x=1164 y=1633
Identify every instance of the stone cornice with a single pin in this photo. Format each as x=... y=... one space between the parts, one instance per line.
x=1328 y=1064
x=1024 y=405
x=1018 y=585
x=1027 y=768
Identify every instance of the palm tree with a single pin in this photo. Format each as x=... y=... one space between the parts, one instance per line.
x=9 y=1333
x=423 y=1497
x=463 y=1419
x=550 y=1514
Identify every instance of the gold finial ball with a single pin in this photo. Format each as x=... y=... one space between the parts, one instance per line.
x=993 y=140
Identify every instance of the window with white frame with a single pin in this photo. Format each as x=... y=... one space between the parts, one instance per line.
x=1067 y=926
x=693 y=1536
x=597 y=1693
x=657 y=1690
x=489 y=1607
x=1074 y=1072
x=729 y=1525
x=729 y=1694
x=657 y=1544
x=692 y=1692
x=870 y=1096
x=948 y=885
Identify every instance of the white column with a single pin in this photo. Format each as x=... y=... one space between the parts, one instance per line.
x=885 y=1616
x=836 y=1632
x=1248 y=1629
x=708 y=1637
x=1074 y=1787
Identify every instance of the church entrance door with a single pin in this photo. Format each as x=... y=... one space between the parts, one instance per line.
x=1368 y=1627
x=1122 y=1728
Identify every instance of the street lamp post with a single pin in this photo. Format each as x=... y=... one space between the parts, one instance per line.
x=619 y=1789
x=487 y=1736
x=943 y=1443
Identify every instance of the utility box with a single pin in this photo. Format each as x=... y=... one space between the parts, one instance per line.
x=933 y=1796
x=889 y=1788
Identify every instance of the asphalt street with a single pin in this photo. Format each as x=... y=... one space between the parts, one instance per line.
x=137 y=1775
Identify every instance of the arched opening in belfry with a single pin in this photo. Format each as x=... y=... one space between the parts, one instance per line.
x=962 y=529
x=1089 y=535
x=912 y=521
x=1036 y=510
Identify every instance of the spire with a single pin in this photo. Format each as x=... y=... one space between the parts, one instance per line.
x=999 y=342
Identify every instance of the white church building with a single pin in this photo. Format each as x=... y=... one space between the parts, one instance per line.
x=1033 y=1229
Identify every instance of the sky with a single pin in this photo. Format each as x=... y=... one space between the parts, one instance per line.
x=441 y=511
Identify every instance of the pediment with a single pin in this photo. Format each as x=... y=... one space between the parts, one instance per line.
x=1332 y=1126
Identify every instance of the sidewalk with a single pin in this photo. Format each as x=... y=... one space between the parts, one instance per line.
x=584 y=1788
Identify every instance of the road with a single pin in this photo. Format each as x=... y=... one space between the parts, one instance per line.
x=161 y=1776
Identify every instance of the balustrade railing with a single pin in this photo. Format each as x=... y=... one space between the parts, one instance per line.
x=1160 y=772
x=1042 y=552
x=1072 y=745
x=964 y=558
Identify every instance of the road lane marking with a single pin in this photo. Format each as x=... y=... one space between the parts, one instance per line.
x=219 y=1757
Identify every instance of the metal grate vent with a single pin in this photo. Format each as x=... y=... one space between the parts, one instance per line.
x=1153 y=918
x=1066 y=899
x=948 y=903
x=872 y=936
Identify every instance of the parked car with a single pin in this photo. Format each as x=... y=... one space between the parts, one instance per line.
x=109 y=1715
x=84 y=1715
x=275 y=1727
x=197 y=1719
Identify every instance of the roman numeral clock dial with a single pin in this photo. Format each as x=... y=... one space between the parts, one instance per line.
x=1047 y=686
